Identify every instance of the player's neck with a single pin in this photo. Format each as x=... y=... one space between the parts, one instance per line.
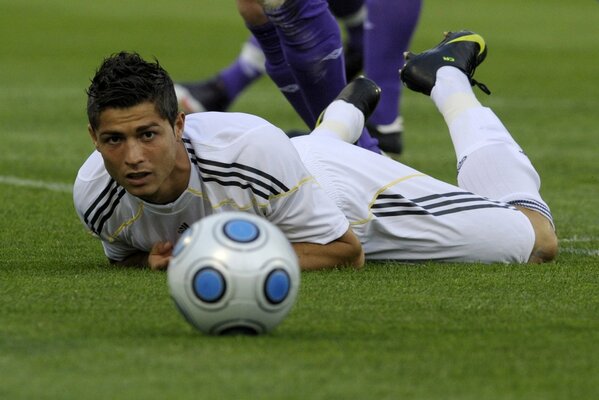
x=178 y=180
x=181 y=172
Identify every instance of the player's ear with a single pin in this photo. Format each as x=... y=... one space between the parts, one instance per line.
x=179 y=125
x=92 y=134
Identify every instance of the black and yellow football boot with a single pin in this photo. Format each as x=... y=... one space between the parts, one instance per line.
x=464 y=50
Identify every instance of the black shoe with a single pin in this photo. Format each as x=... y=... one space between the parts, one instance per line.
x=362 y=93
x=208 y=95
x=296 y=133
x=389 y=136
x=464 y=50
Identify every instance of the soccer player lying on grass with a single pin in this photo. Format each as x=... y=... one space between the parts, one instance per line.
x=156 y=171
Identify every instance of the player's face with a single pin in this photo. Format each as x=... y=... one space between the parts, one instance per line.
x=143 y=152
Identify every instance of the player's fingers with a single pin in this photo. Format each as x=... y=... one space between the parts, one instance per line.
x=162 y=248
x=166 y=247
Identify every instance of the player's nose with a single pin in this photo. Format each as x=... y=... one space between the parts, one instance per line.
x=134 y=153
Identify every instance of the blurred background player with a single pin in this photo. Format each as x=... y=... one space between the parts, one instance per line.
x=220 y=91
x=388 y=30
x=376 y=46
x=303 y=49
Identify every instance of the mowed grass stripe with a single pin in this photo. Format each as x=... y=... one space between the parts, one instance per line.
x=32 y=183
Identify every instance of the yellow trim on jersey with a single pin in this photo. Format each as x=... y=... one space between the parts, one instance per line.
x=381 y=190
x=233 y=204
x=140 y=212
x=254 y=202
x=195 y=192
x=127 y=223
x=471 y=38
x=293 y=189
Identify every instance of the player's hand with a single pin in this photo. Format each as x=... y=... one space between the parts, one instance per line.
x=160 y=255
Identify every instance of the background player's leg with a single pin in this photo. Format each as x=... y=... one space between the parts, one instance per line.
x=218 y=92
x=246 y=68
x=351 y=14
x=390 y=26
x=278 y=70
x=311 y=43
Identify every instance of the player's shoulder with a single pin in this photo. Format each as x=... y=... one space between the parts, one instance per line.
x=93 y=168
x=230 y=142
x=217 y=130
x=91 y=181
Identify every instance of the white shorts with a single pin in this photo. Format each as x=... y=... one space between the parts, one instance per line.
x=399 y=213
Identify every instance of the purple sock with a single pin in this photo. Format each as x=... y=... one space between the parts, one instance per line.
x=241 y=73
x=280 y=73
x=391 y=26
x=367 y=142
x=311 y=43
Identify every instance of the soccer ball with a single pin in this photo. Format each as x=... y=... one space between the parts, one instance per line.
x=233 y=273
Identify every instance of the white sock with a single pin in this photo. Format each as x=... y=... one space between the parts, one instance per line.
x=252 y=59
x=341 y=120
x=490 y=162
x=356 y=19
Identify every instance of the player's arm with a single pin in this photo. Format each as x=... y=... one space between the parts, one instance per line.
x=157 y=259
x=345 y=251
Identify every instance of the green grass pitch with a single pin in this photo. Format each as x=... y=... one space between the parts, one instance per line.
x=72 y=327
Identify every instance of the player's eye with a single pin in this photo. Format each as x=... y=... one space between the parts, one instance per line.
x=111 y=139
x=148 y=135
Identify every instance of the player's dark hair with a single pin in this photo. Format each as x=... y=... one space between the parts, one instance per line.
x=125 y=80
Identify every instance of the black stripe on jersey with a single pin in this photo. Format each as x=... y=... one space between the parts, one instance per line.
x=457 y=201
x=400 y=213
x=109 y=197
x=247 y=168
x=401 y=205
x=468 y=208
x=112 y=208
x=211 y=175
x=535 y=206
x=238 y=184
x=108 y=200
x=467 y=197
x=98 y=199
x=267 y=184
x=418 y=206
x=448 y=194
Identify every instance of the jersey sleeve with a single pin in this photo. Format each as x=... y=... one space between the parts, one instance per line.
x=297 y=203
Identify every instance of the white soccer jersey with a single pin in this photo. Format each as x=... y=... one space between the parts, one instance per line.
x=239 y=162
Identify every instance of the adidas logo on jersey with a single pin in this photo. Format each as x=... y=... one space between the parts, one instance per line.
x=182 y=228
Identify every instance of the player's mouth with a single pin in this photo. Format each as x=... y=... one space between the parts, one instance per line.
x=137 y=178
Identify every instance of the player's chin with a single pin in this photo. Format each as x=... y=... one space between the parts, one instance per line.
x=145 y=192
